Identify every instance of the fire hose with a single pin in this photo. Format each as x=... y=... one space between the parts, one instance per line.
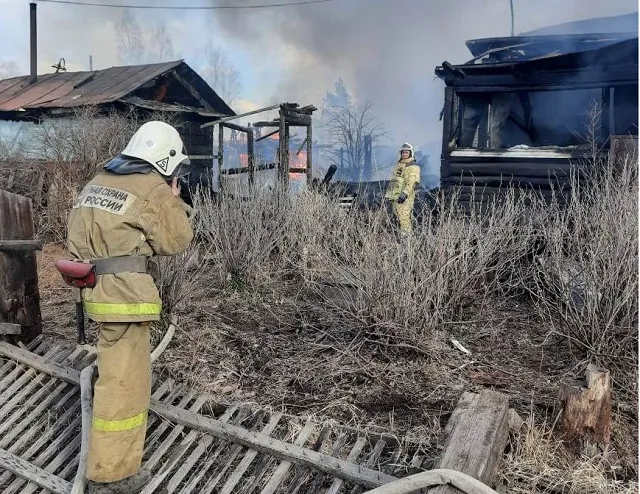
x=86 y=407
x=461 y=481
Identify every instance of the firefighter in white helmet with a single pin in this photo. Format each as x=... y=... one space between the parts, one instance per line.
x=129 y=212
x=401 y=191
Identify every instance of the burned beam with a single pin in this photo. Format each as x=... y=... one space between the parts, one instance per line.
x=191 y=90
x=273 y=123
x=309 y=141
x=233 y=126
x=267 y=135
x=234 y=117
x=301 y=146
x=250 y=159
x=245 y=169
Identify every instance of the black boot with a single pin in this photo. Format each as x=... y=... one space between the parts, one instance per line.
x=130 y=485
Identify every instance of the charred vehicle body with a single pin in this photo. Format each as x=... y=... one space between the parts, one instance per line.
x=520 y=111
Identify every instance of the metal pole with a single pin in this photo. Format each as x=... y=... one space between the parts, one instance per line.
x=91 y=63
x=513 y=19
x=33 y=18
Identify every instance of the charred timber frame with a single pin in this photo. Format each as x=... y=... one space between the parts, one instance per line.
x=290 y=115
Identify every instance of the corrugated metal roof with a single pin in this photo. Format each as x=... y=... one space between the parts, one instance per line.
x=69 y=89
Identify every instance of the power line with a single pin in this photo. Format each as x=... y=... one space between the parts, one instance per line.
x=176 y=7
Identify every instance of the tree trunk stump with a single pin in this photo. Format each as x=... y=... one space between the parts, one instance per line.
x=586 y=409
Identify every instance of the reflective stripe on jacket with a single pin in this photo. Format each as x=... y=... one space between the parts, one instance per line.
x=120 y=215
x=405 y=178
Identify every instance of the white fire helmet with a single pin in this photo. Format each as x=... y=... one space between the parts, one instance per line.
x=160 y=145
x=407 y=147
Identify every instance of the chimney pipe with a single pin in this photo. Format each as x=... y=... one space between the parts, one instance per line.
x=33 y=76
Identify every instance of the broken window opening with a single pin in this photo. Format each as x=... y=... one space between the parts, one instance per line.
x=543 y=119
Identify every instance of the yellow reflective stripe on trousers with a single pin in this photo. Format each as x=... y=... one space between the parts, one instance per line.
x=103 y=308
x=119 y=425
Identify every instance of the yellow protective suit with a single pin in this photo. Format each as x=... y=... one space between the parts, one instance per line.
x=122 y=215
x=405 y=178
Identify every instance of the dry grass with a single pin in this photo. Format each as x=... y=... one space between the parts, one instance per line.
x=296 y=304
x=538 y=463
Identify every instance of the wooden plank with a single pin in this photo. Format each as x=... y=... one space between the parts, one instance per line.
x=264 y=444
x=159 y=451
x=248 y=458
x=14 y=380
x=62 y=458
x=154 y=436
x=25 y=470
x=335 y=452
x=20 y=245
x=21 y=428
x=193 y=91
x=10 y=328
x=302 y=474
x=19 y=296
x=212 y=458
x=232 y=454
x=280 y=473
x=203 y=445
x=11 y=364
x=61 y=431
x=352 y=457
x=477 y=439
x=371 y=462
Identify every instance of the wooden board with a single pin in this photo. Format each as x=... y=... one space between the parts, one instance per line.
x=19 y=295
x=477 y=438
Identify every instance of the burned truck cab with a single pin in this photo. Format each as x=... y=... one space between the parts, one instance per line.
x=525 y=109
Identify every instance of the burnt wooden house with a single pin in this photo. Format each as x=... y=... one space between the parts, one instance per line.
x=519 y=112
x=171 y=88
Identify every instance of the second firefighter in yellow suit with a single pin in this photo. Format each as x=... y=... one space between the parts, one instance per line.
x=402 y=188
x=125 y=215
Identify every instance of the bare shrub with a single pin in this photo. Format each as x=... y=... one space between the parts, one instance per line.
x=243 y=235
x=451 y=265
x=585 y=283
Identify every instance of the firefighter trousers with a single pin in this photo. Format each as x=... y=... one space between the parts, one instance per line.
x=120 y=401
x=404 y=213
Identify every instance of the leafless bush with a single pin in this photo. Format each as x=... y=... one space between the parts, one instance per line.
x=243 y=234
x=585 y=284
x=407 y=288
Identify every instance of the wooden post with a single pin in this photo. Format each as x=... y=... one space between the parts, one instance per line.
x=586 y=416
x=283 y=170
x=19 y=295
x=220 y=154
x=309 y=155
x=478 y=431
x=250 y=158
x=368 y=162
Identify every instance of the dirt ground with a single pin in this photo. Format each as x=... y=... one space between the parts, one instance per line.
x=277 y=352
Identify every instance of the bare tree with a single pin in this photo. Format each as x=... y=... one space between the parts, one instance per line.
x=346 y=128
x=131 y=49
x=8 y=69
x=219 y=72
x=161 y=45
